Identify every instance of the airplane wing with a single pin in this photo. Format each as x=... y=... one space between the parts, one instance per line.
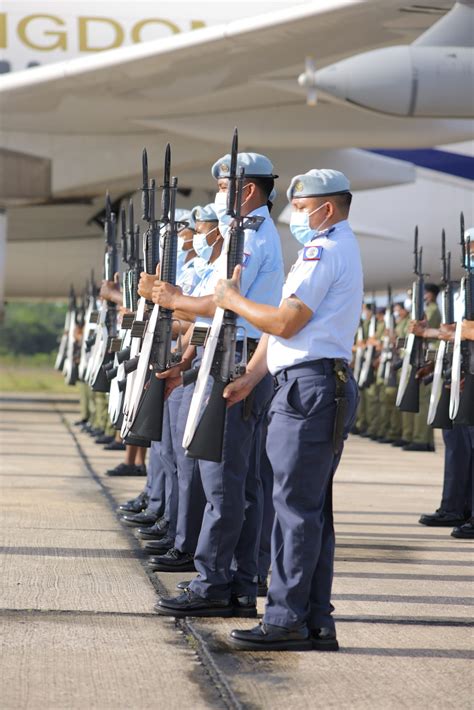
x=199 y=84
x=81 y=124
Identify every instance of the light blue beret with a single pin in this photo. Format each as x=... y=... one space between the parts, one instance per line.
x=317 y=183
x=205 y=214
x=254 y=164
x=182 y=215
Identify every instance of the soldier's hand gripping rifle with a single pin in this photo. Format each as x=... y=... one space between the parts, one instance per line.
x=148 y=420
x=461 y=407
x=204 y=433
x=438 y=412
x=107 y=321
x=385 y=370
x=408 y=395
x=367 y=375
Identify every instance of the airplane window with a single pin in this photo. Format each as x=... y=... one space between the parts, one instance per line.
x=5 y=66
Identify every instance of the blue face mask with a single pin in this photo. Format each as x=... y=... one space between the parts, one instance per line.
x=201 y=247
x=299 y=225
x=182 y=254
x=220 y=207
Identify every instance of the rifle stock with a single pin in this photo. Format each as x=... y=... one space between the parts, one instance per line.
x=208 y=439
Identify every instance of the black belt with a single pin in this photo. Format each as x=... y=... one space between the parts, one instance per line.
x=325 y=366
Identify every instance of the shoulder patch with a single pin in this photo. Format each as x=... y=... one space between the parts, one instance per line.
x=312 y=253
x=245 y=260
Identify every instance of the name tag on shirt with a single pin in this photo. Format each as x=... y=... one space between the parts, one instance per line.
x=312 y=253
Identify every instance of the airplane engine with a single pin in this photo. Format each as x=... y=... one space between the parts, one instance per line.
x=411 y=80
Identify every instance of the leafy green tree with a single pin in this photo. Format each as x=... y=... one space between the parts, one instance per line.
x=31 y=328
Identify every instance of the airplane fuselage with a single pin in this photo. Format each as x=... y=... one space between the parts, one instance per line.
x=33 y=34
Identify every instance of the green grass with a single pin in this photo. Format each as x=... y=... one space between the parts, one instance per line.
x=32 y=373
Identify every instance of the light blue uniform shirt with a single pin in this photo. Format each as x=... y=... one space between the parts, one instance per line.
x=332 y=287
x=262 y=273
x=187 y=278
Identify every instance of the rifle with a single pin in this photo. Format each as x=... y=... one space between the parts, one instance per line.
x=148 y=420
x=116 y=370
x=70 y=366
x=385 y=370
x=359 y=353
x=135 y=369
x=367 y=375
x=408 y=395
x=62 y=350
x=89 y=334
x=107 y=322
x=438 y=412
x=462 y=402
x=205 y=426
x=132 y=322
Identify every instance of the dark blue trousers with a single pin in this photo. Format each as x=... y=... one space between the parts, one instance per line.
x=169 y=443
x=191 y=500
x=227 y=550
x=458 y=463
x=147 y=488
x=300 y=449
x=268 y=516
x=156 y=474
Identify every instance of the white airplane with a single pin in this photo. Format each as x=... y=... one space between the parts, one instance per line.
x=391 y=76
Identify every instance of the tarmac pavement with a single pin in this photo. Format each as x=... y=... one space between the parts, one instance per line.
x=77 y=622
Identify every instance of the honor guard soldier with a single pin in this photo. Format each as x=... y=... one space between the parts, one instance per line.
x=179 y=555
x=422 y=433
x=457 y=501
x=153 y=522
x=307 y=348
x=227 y=549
